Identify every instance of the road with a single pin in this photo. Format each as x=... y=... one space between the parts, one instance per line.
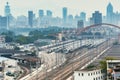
x=26 y=71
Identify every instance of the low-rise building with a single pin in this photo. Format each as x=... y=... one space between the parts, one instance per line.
x=113 y=69
x=2 y=39
x=6 y=46
x=27 y=47
x=9 y=69
x=95 y=74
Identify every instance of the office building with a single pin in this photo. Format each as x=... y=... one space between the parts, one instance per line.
x=70 y=17
x=41 y=13
x=97 y=17
x=7 y=13
x=83 y=16
x=30 y=18
x=21 y=21
x=64 y=14
x=7 y=9
x=3 y=22
x=80 y=24
x=49 y=13
x=109 y=13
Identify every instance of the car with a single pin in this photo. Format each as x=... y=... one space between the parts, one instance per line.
x=9 y=74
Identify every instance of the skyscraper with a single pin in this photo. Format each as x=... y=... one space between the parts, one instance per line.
x=7 y=9
x=70 y=20
x=3 y=22
x=80 y=24
x=97 y=17
x=30 y=18
x=64 y=14
x=70 y=17
x=83 y=16
x=109 y=13
x=7 y=13
x=49 y=13
x=41 y=13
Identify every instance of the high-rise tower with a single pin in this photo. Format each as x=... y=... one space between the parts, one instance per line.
x=30 y=18
x=64 y=14
x=41 y=13
x=109 y=13
x=7 y=9
x=49 y=13
x=97 y=17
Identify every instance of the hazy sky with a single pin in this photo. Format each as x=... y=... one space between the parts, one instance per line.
x=20 y=7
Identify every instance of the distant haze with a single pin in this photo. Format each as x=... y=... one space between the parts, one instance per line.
x=20 y=7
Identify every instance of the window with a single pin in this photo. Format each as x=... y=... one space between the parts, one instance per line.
x=96 y=72
x=78 y=74
x=88 y=74
x=82 y=74
x=99 y=78
x=96 y=79
x=91 y=74
x=99 y=72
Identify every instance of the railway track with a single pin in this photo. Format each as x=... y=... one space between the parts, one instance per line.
x=62 y=73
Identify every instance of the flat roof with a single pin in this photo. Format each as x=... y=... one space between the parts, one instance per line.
x=2 y=59
x=27 y=58
x=113 y=61
x=87 y=71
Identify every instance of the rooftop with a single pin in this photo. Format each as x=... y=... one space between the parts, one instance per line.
x=27 y=58
x=113 y=61
x=91 y=68
x=2 y=59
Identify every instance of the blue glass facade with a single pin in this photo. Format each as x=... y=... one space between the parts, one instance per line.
x=30 y=18
x=7 y=9
x=83 y=16
x=41 y=13
x=97 y=17
x=110 y=13
x=65 y=14
x=49 y=13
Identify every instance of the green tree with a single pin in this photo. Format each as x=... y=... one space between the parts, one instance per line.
x=21 y=39
x=116 y=43
x=9 y=36
x=103 y=64
x=16 y=48
x=33 y=53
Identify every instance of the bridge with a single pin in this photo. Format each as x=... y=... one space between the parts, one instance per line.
x=80 y=30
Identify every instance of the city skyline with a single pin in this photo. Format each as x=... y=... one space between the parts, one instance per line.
x=17 y=7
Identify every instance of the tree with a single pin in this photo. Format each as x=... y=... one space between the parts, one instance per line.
x=109 y=58
x=21 y=39
x=8 y=38
x=116 y=43
x=16 y=48
x=10 y=33
x=103 y=64
x=33 y=53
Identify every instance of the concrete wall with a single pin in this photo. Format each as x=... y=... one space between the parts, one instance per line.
x=88 y=75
